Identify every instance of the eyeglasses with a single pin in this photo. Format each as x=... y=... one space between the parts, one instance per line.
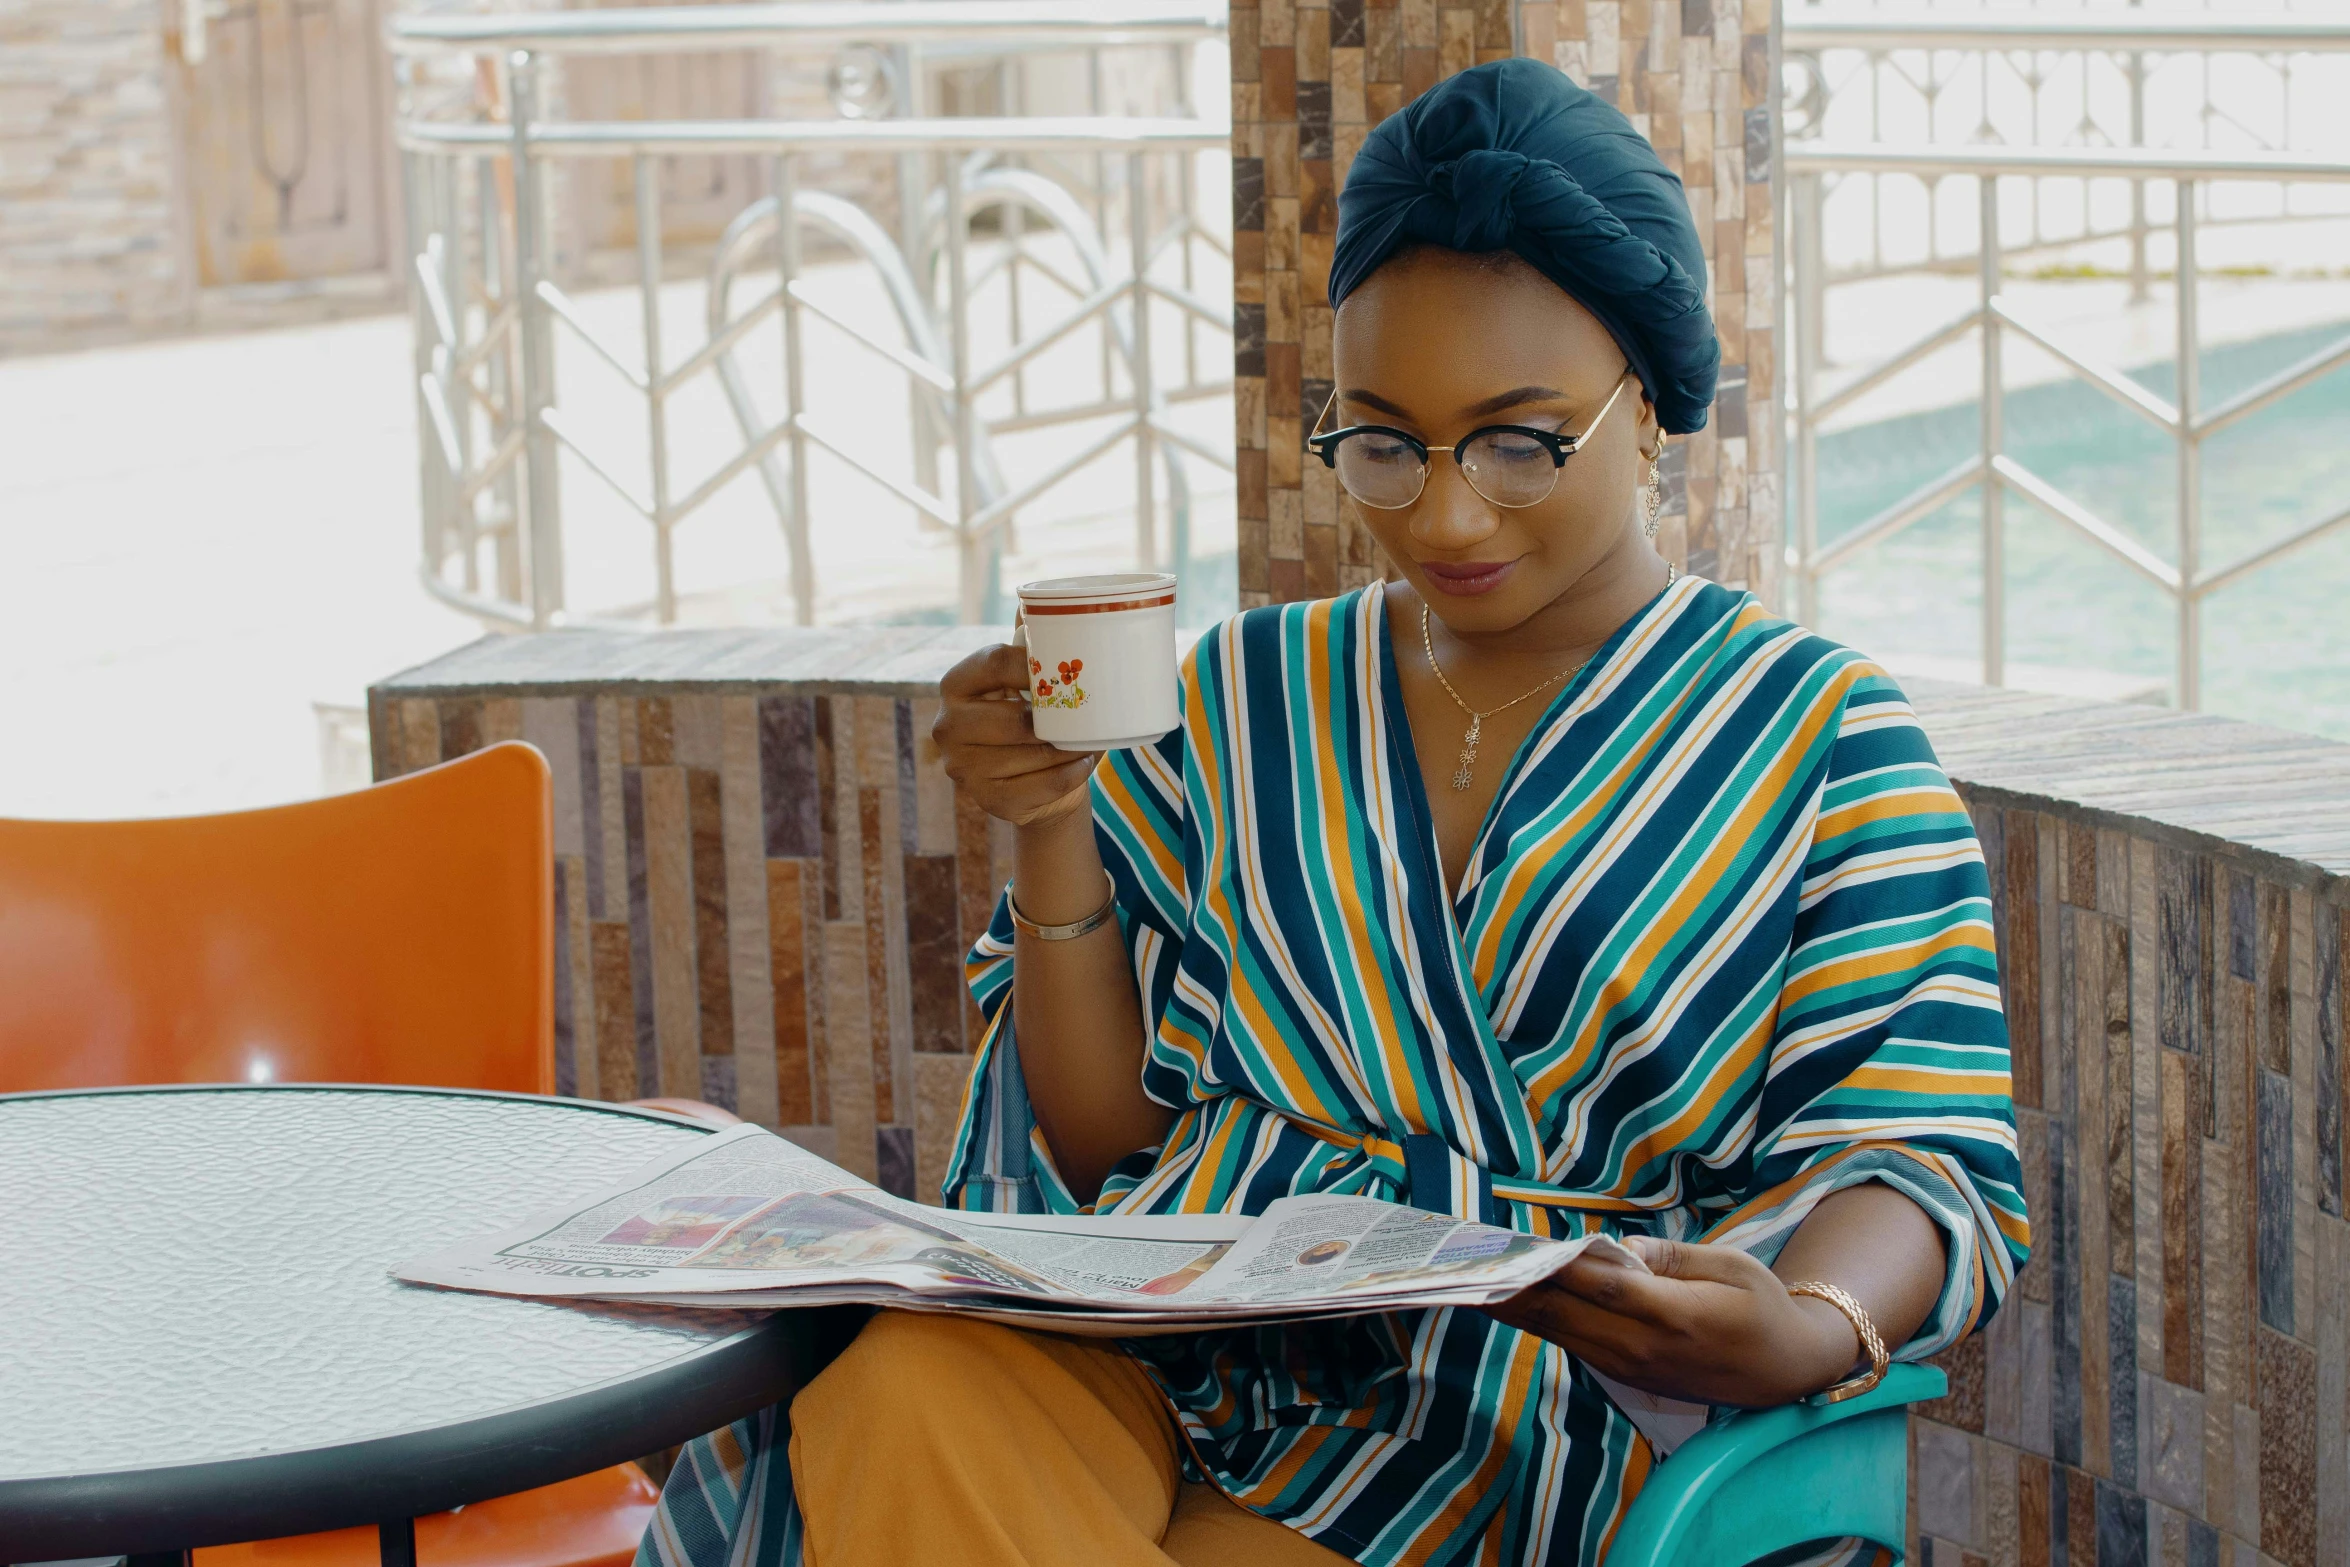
x=1509 y=464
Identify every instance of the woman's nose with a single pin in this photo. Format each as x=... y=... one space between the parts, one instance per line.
x=1451 y=515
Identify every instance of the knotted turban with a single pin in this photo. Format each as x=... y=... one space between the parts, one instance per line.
x=1511 y=155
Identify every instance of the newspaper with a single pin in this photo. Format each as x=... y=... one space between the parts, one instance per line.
x=747 y=1219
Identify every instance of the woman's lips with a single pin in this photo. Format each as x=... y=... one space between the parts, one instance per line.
x=1466 y=578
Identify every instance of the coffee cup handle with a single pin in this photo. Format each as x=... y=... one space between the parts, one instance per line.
x=1020 y=641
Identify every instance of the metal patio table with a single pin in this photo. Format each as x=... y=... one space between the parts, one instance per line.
x=200 y=1341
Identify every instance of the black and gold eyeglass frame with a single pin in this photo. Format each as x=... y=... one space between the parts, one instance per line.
x=1512 y=465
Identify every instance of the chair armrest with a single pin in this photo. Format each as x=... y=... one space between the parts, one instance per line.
x=1737 y=1440
x=1664 y=1517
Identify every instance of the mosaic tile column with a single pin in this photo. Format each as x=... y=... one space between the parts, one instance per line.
x=763 y=890
x=1698 y=77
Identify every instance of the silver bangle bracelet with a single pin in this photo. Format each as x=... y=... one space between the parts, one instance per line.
x=1069 y=932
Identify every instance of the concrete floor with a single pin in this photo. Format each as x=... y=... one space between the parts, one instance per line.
x=203 y=538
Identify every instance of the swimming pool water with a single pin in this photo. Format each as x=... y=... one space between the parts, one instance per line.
x=2276 y=644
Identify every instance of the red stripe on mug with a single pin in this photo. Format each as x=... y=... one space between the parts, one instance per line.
x=1032 y=608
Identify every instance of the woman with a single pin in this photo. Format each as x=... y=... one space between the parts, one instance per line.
x=1536 y=885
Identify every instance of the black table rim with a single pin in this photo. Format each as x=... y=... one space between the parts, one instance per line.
x=412 y=1473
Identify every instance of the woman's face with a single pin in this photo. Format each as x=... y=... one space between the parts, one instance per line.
x=1438 y=344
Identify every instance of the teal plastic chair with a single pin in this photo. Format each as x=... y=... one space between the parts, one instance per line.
x=1765 y=1479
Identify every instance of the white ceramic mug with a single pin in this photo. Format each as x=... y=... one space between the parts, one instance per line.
x=1101 y=659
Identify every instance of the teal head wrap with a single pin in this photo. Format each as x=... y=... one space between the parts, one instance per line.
x=1511 y=155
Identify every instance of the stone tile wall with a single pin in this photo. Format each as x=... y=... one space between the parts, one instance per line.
x=2173 y=1377
x=86 y=222
x=1310 y=79
x=763 y=900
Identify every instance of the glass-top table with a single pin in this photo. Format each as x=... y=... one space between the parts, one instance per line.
x=205 y=1344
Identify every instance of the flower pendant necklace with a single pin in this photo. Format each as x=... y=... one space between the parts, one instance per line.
x=1468 y=757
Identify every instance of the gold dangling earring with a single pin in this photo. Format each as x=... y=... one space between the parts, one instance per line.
x=1656 y=497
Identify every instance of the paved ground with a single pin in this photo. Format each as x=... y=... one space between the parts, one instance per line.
x=203 y=539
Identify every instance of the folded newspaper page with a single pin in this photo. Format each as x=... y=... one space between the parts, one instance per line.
x=747 y=1219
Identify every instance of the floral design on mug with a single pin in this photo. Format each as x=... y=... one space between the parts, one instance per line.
x=1064 y=692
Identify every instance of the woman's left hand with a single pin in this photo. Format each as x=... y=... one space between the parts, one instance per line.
x=1708 y=1323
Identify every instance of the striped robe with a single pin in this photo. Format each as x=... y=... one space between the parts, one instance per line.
x=1723 y=945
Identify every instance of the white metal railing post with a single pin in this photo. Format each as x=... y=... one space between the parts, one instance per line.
x=1994 y=435
x=497 y=298
x=1015 y=237
x=1146 y=506
x=2190 y=539
x=543 y=533
x=446 y=248
x=1186 y=176
x=787 y=272
x=647 y=170
x=971 y=550
x=1804 y=196
x=1099 y=191
x=1815 y=223
x=913 y=175
x=432 y=477
x=2139 y=276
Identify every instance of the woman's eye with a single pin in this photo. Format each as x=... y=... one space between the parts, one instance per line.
x=1516 y=448
x=1384 y=449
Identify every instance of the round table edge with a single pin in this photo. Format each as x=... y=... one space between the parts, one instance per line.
x=231 y=1085
x=412 y=1473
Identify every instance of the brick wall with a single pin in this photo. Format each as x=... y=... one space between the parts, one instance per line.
x=1309 y=80
x=86 y=223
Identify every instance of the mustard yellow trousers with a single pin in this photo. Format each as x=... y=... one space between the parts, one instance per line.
x=940 y=1439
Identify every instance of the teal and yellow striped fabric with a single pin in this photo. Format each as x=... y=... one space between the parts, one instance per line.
x=1724 y=945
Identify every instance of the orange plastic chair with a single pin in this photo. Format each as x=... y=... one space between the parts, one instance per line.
x=400 y=934
x=593 y=1521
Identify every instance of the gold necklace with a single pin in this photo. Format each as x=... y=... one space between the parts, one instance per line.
x=1468 y=760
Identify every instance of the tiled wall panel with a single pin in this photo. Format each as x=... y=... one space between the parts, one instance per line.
x=1309 y=80
x=763 y=901
x=2171 y=1382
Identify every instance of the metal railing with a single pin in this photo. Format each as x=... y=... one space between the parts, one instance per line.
x=2085 y=79
x=1992 y=471
x=1006 y=24
x=488 y=308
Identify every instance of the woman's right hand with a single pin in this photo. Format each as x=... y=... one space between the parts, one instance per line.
x=987 y=738
x=1076 y=1006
